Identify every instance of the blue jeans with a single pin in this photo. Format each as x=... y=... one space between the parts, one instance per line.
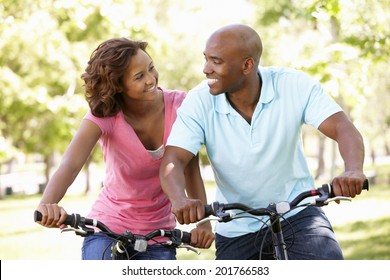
x=98 y=247
x=308 y=236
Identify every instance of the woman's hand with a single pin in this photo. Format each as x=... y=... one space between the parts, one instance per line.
x=202 y=236
x=53 y=215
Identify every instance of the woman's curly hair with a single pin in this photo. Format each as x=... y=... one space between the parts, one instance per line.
x=104 y=74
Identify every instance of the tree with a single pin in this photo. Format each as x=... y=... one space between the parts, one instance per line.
x=343 y=44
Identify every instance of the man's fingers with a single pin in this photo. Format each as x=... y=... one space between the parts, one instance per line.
x=347 y=186
x=179 y=216
x=189 y=211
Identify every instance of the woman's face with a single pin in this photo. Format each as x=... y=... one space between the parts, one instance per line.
x=141 y=78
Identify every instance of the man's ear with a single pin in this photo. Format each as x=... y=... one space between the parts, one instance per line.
x=248 y=65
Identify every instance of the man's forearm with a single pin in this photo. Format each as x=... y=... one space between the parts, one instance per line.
x=172 y=181
x=351 y=147
x=194 y=183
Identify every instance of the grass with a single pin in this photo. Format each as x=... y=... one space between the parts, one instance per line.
x=366 y=240
x=364 y=237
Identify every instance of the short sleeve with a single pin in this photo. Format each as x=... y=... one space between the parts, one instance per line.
x=105 y=124
x=188 y=129
x=319 y=106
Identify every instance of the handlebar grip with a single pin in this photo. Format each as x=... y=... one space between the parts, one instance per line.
x=37 y=216
x=70 y=219
x=186 y=238
x=208 y=210
x=328 y=188
x=366 y=185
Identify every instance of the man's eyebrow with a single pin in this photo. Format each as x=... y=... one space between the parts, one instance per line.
x=212 y=56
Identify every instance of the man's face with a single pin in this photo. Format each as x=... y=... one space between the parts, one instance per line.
x=223 y=65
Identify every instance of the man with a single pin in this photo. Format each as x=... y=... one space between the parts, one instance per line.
x=250 y=118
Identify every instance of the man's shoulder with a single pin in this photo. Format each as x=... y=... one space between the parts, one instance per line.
x=275 y=71
x=202 y=87
x=200 y=92
x=286 y=76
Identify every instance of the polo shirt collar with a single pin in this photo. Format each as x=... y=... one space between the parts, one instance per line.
x=267 y=89
x=223 y=106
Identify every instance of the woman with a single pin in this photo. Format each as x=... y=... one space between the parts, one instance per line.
x=131 y=117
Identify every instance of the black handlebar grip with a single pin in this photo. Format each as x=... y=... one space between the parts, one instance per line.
x=37 y=216
x=186 y=238
x=366 y=185
x=70 y=219
x=208 y=210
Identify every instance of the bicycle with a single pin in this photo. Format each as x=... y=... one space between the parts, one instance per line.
x=275 y=212
x=85 y=227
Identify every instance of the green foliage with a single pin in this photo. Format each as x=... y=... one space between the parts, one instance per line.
x=345 y=45
x=45 y=45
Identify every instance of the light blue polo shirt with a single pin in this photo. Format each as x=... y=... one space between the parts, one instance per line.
x=261 y=162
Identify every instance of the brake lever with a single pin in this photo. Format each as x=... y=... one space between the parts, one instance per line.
x=190 y=248
x=223 y=218
x=78 y=231
x=209 y=219
x=322 y=202
x=185 y=246
x=345 y=198
x=84 y=231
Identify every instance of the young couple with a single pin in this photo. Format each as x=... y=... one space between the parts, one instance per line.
x=248 y=116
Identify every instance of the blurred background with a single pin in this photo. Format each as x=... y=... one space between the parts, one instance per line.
x=45 y=46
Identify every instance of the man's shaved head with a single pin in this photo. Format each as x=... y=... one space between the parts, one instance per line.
x=242 y=38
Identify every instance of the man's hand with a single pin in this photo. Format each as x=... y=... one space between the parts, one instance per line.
x=202 y=236
x=188 y=211
x=349 y=184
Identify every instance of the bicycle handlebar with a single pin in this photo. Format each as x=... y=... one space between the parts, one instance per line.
x=79 y=224
x=325 y=194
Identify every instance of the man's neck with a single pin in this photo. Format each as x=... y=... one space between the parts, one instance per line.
x=246 y=100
